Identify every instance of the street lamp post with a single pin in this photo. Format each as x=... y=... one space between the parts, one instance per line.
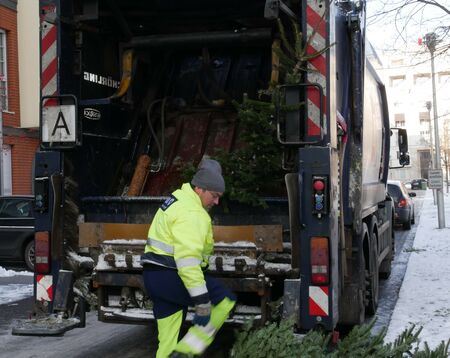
x=430 y=41
x=428 y=105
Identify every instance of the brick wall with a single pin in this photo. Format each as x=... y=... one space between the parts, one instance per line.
x=22 y=154
x=8 y=23
x=23 y=142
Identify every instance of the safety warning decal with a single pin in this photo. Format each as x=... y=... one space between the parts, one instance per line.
x=318 y=301
x=44 y=288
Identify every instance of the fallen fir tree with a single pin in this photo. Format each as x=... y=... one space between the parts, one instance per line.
x=278 y=340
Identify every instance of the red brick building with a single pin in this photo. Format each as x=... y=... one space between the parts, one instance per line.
x=19 y=144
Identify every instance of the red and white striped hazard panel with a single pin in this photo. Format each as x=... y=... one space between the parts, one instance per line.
x=49 y=56
x=317 y=33
x=318 y=301
x=44 y=288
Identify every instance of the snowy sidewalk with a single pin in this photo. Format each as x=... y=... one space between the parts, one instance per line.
x=424 y=298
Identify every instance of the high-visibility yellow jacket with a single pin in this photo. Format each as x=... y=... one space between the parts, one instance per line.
x=180 y=237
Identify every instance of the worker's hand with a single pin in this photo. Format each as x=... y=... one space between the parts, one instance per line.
x=202 y=314
x=204 y=265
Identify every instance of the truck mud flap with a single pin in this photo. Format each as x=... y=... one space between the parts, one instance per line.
x=291 y=300
x=48 y=326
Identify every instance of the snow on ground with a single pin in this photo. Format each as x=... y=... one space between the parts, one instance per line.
x=11 y=292
x=424 y=298
x=9 y=273
x=15 y=292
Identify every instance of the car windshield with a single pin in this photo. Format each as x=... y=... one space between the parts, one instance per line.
x=394 y=191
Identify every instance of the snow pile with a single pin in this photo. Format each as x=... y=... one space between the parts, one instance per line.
x=136 y=242
x=14 y=292
x=9 y=273
x=77 y=258
x=424 y=296
x=119 y=262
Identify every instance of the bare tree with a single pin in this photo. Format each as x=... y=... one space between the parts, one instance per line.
x=410 y=20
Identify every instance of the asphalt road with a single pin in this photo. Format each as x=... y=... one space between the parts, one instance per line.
x=100 y=340
x=97 y=339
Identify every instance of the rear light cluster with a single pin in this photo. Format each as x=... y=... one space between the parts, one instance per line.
x=402 y=203
x=320 y=261
x=42 y=252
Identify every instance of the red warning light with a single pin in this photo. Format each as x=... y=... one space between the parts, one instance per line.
x=318 y=185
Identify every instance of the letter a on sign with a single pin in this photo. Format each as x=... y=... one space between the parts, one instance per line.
x=58 y=125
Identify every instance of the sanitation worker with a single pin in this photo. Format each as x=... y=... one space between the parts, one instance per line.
x=179 y=242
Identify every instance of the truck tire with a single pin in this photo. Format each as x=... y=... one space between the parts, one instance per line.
x=29 y=255
x=386 y=264
x=352 y=304
x=372 y=272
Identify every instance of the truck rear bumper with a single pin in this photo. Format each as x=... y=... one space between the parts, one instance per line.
x=143 y=316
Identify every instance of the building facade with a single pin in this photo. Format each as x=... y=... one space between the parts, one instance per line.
x=408 y=80
x=19 y=133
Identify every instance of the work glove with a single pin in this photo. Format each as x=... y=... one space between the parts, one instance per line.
x=202 y=314
x=204 y=265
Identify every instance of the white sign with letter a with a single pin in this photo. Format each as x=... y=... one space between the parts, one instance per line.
x=58 y=124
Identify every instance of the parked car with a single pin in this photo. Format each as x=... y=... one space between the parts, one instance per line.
x=417 y=184
x=404 y=205
x=17 y=230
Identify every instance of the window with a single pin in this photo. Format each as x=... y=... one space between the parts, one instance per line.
x=15 y=208
x=3 y=72
x=394 y=191
x=399 y=119
x=422 y=79
x=397 y=62
x=424 y=117
x=397 y=81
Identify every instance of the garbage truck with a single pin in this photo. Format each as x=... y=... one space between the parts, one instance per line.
x=135 y=93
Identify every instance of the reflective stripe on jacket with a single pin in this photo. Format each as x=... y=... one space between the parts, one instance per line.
x=180 y=237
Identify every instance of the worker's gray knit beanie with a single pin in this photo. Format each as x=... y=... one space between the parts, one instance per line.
x=209 y=176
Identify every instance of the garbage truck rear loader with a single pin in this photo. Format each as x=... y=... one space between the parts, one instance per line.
x=132 y=91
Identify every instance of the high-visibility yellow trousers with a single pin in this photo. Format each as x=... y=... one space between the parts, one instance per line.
x=198 y=338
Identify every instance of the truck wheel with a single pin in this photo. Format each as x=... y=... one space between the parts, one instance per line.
x=386 y=264
x=29 y=255
x=373 y=275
